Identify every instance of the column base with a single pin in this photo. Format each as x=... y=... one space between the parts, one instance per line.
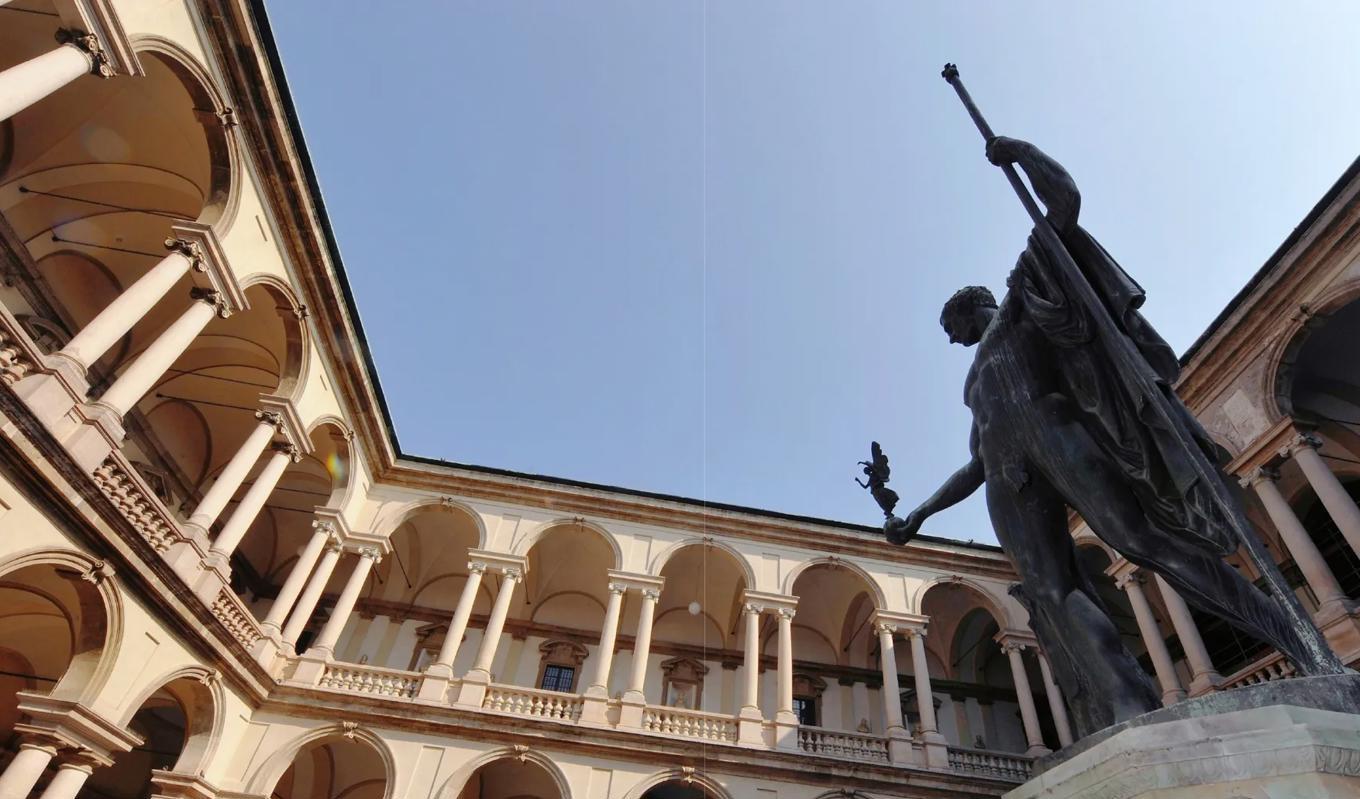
x=750 y=728
x=901 y=748
x=1204 y=683
x=1341 y=625
x=630 y=710
x=786 y=731
x=472 y=688
x=271 y=654
x=1173 y=696
x=1038 y=750
x=186 y=555
x=311 y=666
x=935 y=749
x=98 y=432
x=434 y=686
x=52 y=395
x=594 y=708
x=212 y=580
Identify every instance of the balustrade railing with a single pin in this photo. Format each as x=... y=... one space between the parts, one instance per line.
x=1268 y=669
x=532 y=703
x=121 y=483
x=1001 y=765
x=684 y=723
x=229 y=610
x=839 y=743
x=370 y=680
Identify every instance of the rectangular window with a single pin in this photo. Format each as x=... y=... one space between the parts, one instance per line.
x=558 y=678
x=805 y=708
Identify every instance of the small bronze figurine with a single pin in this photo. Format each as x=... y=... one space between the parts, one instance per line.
x=877 y=471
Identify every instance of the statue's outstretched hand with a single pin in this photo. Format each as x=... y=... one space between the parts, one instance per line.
x=900 y=531
x=1002 y=150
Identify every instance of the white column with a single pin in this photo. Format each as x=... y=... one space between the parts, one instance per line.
x=69 y=779
x=306 y=604
x=251 y=504
x=297 y=578
x=495 y=625
x=1132 y=585
x=1029 y=715
x=24 y=84
x=785 y=666
x=642 y=646
x=448 y=651
x=604 y=655
x=23 y=771
x=920 y=669
x=892 y=692
x=1055 y=703
x=750 y=696
x=1203 y=676
x=1315 y=570
x=344 y=606
x=161 y=355
x=234 y=473
x=112 y=323
x=1333 y=495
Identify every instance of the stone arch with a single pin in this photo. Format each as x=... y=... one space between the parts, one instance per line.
x=875 y=590
x=389 y=522
x=994 y=606
x=94 y=650
x=272 y=769
x=531 y=538
x=342 y=449
x=659 y=562
x=459 y=778
x=297 y=346
x=203 y=698
x=212 y=103
x=690 y=776
x=1290 y=343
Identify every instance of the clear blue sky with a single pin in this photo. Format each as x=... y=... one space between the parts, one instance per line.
x=702 y=249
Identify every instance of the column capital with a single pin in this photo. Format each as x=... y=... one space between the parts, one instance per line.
x=190 y=249
x=618 y=589
x=914 y=632
x=651 y=594
x=213 y=270
x=335 y=545
x=286 y=448
x=476 y=567
x=370 y=552
x=327 y=527
x=1015 y=641
x=1305 y=439
x=71 y=726
x=501 y=562
x=513 y=573
x=634 y=581
x=290 y=425
x=752 y=608
x=271 y=418
x=885 y=628
x=212 y=297
x=1132 y=576
x=88 y=44
x=1261 y=474
x=785 y=614
x=769 y=602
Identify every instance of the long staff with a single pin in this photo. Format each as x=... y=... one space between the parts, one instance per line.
x=1151 y=394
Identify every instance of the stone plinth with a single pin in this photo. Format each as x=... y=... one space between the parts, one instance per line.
x=1295 y=738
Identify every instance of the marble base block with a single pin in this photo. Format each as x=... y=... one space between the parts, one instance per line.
x=1293 y=738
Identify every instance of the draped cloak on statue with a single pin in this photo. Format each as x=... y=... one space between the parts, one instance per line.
x=1160 y=472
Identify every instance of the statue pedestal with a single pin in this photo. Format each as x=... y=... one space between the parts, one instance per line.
x=1297 y=738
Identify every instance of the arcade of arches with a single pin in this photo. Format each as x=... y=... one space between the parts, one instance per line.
x=218 y=577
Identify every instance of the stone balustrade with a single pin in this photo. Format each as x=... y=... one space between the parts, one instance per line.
x=846 y=745
x=135 y=500
x=370 y=680
x=685 y=723
x=533 y=703
x=1267 y=669
x=238 y=620
x=999 y=765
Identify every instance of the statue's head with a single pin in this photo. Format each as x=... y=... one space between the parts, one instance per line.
x=967 y=313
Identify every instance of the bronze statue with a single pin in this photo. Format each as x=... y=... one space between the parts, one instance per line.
x=877 y=471
x=1072 y=406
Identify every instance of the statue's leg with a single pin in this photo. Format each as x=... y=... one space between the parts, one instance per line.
x=1031 y=525
x=1100 y=494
